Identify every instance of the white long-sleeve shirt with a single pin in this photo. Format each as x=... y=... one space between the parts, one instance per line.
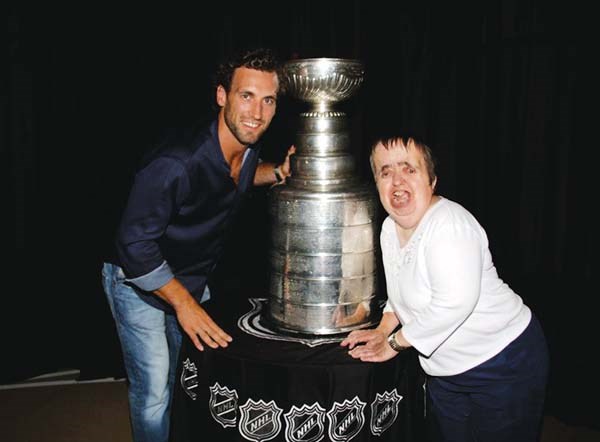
x=445 y=291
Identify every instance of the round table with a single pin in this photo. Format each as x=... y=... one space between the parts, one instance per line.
x=261 y=389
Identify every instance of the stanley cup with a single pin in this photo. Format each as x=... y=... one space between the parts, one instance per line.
x=322 y=256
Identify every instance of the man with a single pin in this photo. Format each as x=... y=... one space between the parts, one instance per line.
x=173 y=229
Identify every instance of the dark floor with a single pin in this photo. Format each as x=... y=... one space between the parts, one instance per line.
x=60 y=409
x=90 y=412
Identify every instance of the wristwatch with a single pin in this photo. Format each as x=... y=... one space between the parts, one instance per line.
x=394 y=344
x=278 y=175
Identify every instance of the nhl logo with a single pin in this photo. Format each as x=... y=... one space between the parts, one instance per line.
x=384 y=411
x=346 y=419
x=305 y=424
x=189 y=378
x=259 y=421
x=223 y=405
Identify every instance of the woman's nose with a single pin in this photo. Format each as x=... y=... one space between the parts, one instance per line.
x=397 y=178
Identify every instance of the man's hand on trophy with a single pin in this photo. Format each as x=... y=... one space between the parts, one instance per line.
x=283 y=171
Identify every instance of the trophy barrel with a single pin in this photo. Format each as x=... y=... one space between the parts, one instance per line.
x=322 y=260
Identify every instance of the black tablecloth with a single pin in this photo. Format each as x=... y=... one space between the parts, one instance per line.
x=260 y=389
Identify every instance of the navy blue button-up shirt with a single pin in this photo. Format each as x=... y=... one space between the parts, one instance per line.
x=178 y=210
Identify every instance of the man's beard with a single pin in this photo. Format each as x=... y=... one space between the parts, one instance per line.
x=238 y=132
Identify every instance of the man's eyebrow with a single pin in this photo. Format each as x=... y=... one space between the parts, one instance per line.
x=253 y=94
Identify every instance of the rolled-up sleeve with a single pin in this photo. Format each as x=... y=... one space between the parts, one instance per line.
x=156 y=194
x=155 y=279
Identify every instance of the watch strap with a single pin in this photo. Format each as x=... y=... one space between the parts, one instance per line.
x=394 y=344
x=278 y=175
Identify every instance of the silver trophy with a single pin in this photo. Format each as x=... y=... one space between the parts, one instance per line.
x=323 y=239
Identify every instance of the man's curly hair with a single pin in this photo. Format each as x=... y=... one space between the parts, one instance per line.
x=261 y=59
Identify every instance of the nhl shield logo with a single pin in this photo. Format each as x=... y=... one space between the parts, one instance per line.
x=189 y=378
x=305 y=424
x=384 y=411
x=346 y=419
x=259 y=421
x=223 y=405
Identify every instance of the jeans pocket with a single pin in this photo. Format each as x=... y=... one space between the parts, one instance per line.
x=120 y=275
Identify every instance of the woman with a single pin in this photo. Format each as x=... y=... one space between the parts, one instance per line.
x=482 y=348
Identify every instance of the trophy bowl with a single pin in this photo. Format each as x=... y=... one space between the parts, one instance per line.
x=322 y=81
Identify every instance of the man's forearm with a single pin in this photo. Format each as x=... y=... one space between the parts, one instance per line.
x=265 y=174
x=174 y=293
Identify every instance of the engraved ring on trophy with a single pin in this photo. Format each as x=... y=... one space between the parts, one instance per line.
x=323 y=241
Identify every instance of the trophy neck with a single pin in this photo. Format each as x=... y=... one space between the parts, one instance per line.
x=321 y=107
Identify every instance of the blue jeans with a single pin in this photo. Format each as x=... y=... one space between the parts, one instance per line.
x=500 y=400
x=150 y=341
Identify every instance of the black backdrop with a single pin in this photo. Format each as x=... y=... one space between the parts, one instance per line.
x=497 y=88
